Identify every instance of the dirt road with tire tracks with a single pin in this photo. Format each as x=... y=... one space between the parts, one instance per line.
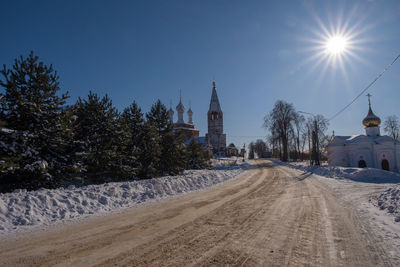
x=270 y=216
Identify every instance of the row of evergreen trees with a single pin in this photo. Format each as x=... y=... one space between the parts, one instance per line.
x=44 y=142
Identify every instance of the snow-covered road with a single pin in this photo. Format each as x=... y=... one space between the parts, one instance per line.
x=372 y=195
x=270 y=216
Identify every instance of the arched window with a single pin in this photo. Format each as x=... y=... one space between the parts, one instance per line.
x=385 y=165
x=362 y=164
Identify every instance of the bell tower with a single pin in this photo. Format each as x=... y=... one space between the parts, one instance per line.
x=215 y=118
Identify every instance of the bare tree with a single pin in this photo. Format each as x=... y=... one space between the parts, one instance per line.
x=392 y=126
x=303 y=141
x=280 y=120
x=260 y=147
x=320 y=127
x=317 y=140
x=299 y=121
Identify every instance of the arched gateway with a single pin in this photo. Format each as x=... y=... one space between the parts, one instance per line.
x=362 y=164
x=385 y=165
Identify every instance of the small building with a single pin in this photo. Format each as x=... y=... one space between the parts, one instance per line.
x=232 y=151
x=243 y=151
x=370 y=150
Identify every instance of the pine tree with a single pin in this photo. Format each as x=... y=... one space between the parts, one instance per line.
x=132 y=122
x=72 y=168
x=31 y=108
x=2 y=112
x=197 y=158
x=172 y=151
x=149 y=156
x=98 y=137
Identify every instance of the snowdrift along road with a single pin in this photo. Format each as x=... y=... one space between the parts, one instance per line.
x=23 y=210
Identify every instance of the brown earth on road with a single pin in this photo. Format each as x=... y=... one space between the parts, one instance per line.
x=270 y=216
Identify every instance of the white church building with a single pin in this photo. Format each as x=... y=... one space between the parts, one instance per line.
x=370 y=150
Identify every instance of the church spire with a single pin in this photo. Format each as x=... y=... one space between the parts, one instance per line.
x=214 y=102
x=190 y=113
x=180 y=108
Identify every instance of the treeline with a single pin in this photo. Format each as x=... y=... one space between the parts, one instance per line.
x=258 y=148
x=46 y=143
x=292 y=136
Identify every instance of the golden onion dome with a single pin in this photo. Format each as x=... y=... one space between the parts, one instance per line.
x=371 y=120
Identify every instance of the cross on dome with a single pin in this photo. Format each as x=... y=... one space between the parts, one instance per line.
x=371 y=120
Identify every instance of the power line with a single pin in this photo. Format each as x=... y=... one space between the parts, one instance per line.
x=365 y=89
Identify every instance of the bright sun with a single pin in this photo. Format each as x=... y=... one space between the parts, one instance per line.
x=336 y=45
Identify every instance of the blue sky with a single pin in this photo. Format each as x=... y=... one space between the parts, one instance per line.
x=258 y=52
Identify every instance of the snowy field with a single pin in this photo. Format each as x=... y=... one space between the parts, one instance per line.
x=24 y=210
x=373 y=194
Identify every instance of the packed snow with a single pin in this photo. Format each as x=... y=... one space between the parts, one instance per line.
x=23 y=209
x=385 y=197
x=369 y=175
x=371 y=195
x=389 y=200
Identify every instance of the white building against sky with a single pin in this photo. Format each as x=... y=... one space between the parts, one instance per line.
x=370 y=150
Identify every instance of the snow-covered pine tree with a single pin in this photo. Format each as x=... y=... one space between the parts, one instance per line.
x=72 y=169
x=98 y=138
x=150 y=152
x=31 y=108
x=172 y=151
x=132 y=122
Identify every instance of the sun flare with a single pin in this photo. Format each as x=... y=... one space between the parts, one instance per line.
x=336 y=45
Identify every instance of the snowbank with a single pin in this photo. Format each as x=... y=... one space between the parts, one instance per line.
x=389 y=201
x=23 y=210
x=369 y=175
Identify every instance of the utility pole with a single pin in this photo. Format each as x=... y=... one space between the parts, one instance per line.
x=244 y=150
x=316 y=143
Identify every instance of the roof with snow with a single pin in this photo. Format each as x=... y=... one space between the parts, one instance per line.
x=342 y=140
